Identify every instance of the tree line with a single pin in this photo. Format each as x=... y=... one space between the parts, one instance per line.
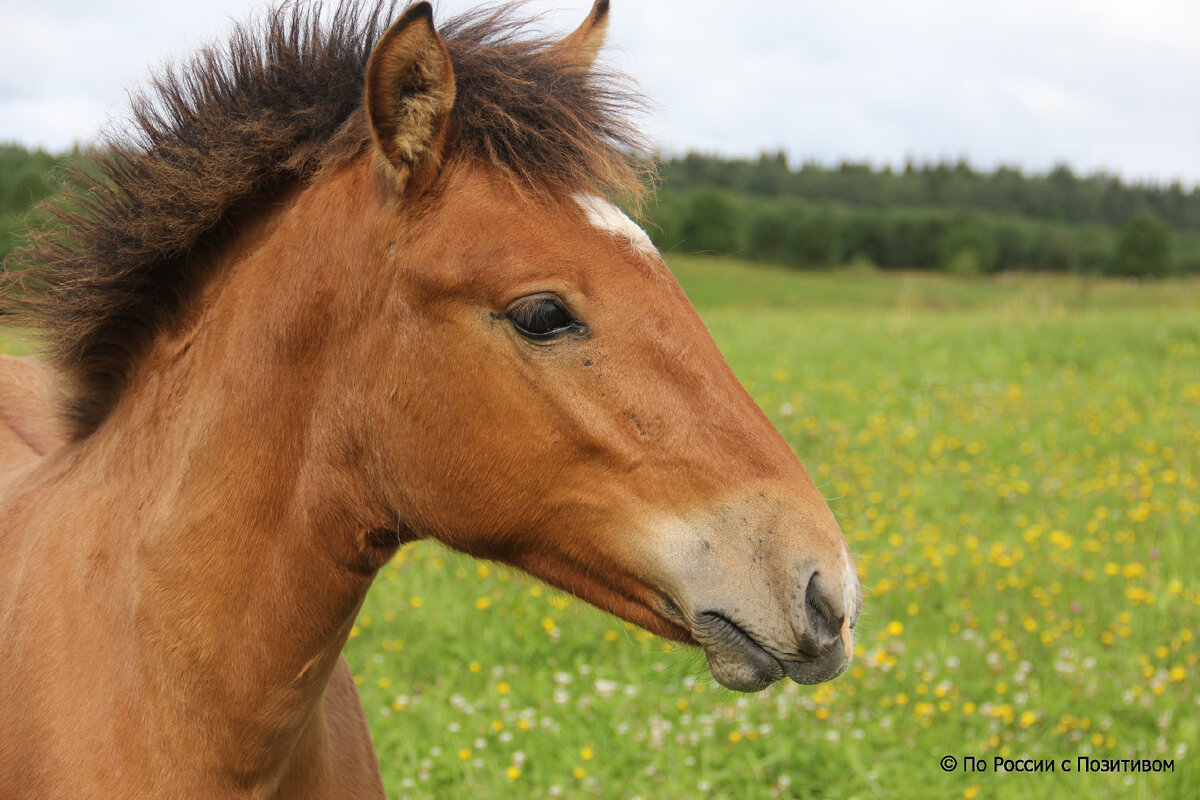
x=816 y=234
x=1059 y=195
x=930 y=216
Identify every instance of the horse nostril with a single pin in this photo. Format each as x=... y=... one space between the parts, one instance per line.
x=821 y=608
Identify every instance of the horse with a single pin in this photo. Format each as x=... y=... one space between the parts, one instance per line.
x=346 y=284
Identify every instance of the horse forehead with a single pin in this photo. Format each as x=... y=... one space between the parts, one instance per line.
x=604 y=215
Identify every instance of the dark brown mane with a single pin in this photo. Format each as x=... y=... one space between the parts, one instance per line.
x=123 y=244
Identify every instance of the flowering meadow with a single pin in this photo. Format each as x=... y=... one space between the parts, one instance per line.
x=1014 y=462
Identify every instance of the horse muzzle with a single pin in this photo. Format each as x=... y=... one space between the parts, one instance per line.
x=764 y=605
x=747 y=656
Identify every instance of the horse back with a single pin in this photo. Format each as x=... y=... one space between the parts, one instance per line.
x=30 y=426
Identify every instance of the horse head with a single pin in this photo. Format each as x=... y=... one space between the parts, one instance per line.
x=549 y=398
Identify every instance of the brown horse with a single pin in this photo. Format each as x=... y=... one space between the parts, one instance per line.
x=345 y=288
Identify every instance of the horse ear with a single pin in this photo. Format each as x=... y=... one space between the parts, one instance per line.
x=584 y=44
x=410 y=93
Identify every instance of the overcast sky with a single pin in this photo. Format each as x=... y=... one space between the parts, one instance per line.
x=1098 y=84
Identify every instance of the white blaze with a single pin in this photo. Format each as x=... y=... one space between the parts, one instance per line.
x=607 y=217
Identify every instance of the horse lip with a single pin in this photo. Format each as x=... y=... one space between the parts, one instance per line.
x=735 y=658
x=739 y=661
x=818 y=670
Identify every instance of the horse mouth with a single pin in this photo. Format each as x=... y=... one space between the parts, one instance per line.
x=740 y=661
x=737 y=658
x=676 y=626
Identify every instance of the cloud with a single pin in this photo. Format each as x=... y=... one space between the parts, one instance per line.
x=1097 y=84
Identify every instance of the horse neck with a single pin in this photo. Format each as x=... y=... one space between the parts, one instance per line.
x=228 y=487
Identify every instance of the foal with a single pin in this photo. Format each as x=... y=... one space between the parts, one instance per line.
x=344 y=289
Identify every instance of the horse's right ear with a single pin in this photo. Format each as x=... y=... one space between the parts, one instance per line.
x=409 y=95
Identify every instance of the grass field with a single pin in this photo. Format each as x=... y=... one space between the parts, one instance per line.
x=1014 y=462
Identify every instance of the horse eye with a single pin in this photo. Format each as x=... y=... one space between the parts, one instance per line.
x=541 y=317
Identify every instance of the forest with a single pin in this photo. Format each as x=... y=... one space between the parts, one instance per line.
x=938 y=216
x=928 y=216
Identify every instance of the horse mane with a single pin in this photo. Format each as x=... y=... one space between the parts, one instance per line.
x=123 y=244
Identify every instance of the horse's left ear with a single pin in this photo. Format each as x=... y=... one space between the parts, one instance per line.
x=584 y=44
x=410 y=94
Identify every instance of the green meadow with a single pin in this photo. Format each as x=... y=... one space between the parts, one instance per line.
x=1014 y=462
